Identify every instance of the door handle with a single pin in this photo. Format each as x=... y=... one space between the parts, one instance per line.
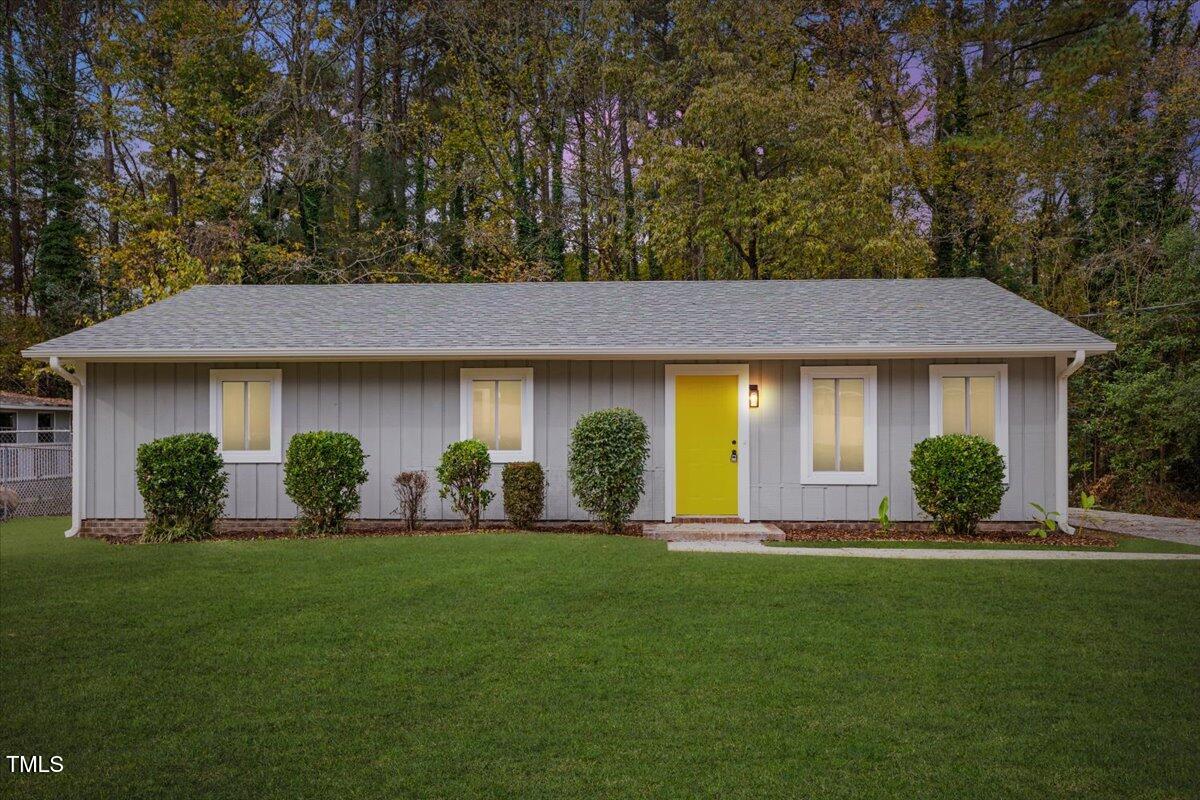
x=733 y=456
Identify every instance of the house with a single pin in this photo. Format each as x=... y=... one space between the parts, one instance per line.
x=35 y=454
x=26 y=419
x=766 y=400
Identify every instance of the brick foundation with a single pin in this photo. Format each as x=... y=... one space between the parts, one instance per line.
x=133 y=527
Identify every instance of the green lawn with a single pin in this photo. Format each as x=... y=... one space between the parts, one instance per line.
x=552 y=666
x=1125 y=544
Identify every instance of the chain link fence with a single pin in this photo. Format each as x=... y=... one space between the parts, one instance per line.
x=35 y=479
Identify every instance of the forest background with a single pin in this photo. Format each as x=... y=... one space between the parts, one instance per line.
x=1050 y=147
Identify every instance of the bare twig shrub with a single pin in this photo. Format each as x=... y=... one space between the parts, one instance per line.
x=410 y=488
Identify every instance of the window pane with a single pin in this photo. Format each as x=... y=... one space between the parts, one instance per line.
x=823 y=420
x=850 y=424
x=8 y=424
x=258 y=409
x=510 y=415
x=483 y=412
x=983 y=407
x=954 y=405
x=233 y=415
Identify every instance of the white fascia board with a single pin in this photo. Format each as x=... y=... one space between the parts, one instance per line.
x=418 y=354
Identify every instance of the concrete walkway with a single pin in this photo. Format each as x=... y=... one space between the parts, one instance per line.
x=1168 y=529
x=930 y=553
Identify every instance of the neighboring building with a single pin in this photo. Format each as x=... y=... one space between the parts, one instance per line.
x=35 y=454
x=25 y=419
x=766 y=400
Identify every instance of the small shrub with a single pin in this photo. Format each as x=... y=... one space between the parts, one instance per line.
x=464 y=468
x=958 y=480
x=410 y=488
x=183 y=485
x=524 y=492
x=322 y=473
x=607 y=464
x=1086 y=503
x=1047 y=521
x=8 y=502
x=885 y=521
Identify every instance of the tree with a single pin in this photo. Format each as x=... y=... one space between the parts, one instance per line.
x=778 y=181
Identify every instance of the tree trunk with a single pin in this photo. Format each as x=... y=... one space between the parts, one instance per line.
x=557 y=239
x=585 y=246
x=14 y=177
x=399 y=149
x=627 y=190
x=356 y=133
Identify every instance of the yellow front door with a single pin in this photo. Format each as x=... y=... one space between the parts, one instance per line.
x=706 y=449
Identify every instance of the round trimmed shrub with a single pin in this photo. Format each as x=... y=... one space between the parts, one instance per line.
x=463 y=470
x=524 y=492
x=322 y=473
x=607 y=464
x=183 y=485
x=958 y=480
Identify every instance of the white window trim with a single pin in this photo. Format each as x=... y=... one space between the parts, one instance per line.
x=465 y=408
x=742 y=371
x=870 y=474
x=274 y=454
x=997 y=371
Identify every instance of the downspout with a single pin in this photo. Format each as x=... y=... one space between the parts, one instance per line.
x=77 y=429
x=1061 y=467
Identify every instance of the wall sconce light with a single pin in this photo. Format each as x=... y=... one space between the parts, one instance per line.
x=754 y=395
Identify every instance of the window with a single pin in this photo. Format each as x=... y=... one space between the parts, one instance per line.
x=244 y=412
x=45 y=424
x=496 y=407
x=838 y=427
x=971 y=399
x=8 y=427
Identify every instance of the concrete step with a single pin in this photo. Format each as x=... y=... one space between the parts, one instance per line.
x=712 y=531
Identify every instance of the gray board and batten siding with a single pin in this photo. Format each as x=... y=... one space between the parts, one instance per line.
x=405 y=413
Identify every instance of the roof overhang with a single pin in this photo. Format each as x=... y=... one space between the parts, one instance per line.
x=625 y=353
x=6 y=407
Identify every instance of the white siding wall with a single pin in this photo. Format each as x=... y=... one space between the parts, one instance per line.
x=406 y=413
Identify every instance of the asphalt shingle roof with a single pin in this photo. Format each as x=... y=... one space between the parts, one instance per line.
x=618 y=318
x=18 y=400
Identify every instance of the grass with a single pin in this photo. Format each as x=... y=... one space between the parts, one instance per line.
x=556 y=666
x=1125 y=544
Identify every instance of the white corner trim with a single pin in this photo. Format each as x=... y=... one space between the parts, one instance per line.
x=466 y=413
x=742 y=371
x=274 y=454
x=997 y=371
x=870 y=473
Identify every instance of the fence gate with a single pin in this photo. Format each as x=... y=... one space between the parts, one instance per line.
x=38 y=477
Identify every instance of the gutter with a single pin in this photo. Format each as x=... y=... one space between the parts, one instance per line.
x=481 y=353
x=1061 y=465
x=77 y=384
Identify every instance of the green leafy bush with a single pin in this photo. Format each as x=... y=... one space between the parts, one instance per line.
x=183 y=485
x=464 y=469
x=607 y=464
x=321 y=474
x=958 y=480
x=524 y=492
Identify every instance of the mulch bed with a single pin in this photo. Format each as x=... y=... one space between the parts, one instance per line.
x=1085 y=539
x=632 y=529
